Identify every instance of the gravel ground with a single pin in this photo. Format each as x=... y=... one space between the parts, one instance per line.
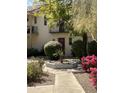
x=46 y=79
x=83 y=79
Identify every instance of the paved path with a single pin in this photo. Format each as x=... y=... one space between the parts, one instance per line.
x=65 y=82
x=41 y=89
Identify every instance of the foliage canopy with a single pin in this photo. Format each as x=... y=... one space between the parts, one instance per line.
x=56 y=11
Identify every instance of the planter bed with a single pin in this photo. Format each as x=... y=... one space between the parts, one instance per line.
x=83 y=79
x=46 y=79
x=67 y=64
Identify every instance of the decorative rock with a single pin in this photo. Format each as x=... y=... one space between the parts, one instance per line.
x=65 y=65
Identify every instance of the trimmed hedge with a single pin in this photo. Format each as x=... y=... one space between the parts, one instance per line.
x=51 y=48
x=32 y=52
x=92 y=48
x=85 y=38
x=42 y=53
x=77 y=48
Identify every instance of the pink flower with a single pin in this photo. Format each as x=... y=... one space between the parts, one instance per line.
x=82 y=58
x=93 y=81
x=83 y=63
x=87 y=63
x=93 y=56
x=93 y=69
x=89 y=57
x=92 y=75
x=88 y=70
x=93 y=62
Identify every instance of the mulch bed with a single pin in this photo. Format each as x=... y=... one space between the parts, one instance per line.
x=46 y=79
x=83 y=79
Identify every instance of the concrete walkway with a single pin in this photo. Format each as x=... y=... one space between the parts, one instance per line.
x=65 y=82
x=41 y=89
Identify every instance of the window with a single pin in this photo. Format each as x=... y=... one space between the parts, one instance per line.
x=35 y=20
x=27 y=19
x=61 y=26
x=45 y=20
x=70 y=41
x=28 y=29
x=34 y=29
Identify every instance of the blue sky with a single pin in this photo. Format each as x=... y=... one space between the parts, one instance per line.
x=29 y=2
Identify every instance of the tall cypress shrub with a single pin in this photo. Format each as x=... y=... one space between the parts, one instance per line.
x=77 y=48
x=92 y=48
x=85 y=38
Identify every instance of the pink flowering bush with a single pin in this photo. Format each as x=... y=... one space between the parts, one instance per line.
x=88 y=62
x=93 y=76
x=89 y=65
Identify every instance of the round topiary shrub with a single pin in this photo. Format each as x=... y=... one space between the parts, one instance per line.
x=92 y=48
x=51 y=48
x=77 y=48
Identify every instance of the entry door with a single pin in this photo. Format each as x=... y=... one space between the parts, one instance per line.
x=62 y=41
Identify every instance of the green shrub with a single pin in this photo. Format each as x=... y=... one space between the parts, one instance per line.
x=85 y=38
x=34 y=71
x=92 y=48
x=59 y=53
x=51 y=48
x=42 y=53
x=77 y=48
x=32 y=52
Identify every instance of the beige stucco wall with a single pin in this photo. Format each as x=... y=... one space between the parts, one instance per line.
x=43 y=36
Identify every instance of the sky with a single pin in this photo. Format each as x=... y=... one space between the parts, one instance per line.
x=29 y=2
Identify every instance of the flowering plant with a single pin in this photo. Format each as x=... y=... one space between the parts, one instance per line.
x=93 y=76
x=89 y=64
x=89 y=61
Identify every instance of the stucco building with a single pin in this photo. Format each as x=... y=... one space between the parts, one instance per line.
x=38 y=32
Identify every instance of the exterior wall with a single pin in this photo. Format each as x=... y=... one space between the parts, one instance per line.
x=43 y=36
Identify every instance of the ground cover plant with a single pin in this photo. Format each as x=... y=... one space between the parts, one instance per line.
x=36 y=76
x=34 y=71
x=32 y=52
